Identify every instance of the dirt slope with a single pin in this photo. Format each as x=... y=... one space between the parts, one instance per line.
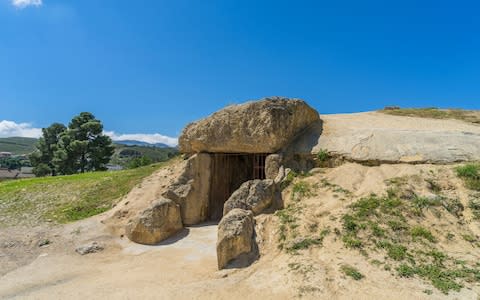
x=185 y=267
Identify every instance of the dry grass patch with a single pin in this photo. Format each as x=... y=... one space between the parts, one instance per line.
x=470 y=116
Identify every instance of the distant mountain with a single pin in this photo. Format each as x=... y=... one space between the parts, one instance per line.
x=17 y=145
x=140 y=143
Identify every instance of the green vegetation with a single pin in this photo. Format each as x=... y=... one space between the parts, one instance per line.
x=469 y=116
x=351 y=272
x=66 y=198
x=133 y=156
x=334 y=187
x=17 y=145
x=289 y=237
x=13 y=163
x=474 y=205
x=301 y=189
x=470 y=173
x=82 y=147
x=305 y=243
x=392 y=224
x=323 y=155
x=422 y=232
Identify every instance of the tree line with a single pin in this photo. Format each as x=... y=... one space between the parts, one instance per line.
x=78 y=148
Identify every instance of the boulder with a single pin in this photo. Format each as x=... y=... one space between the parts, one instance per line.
x=162 y=220
x=235 y=237
x=92 y=247
x=192 y=188
x=264 y=126
x=273 y=163
x=254 y=195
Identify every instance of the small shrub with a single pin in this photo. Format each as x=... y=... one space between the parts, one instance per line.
x=305 y=244
x=366 y=206
x=288 y=179
x=377 y=230
x=444 y=280
x=352 y=242
x=422 y=232
x=397 y=225
x=350 y=224
x=438 y=257
x=424 y=202
x=323 y=155
x=474 y=205
x=469 y=238
x=470 y=173
x=352 y=272
x=302 y=189
x=397 y=252
x=405 y=271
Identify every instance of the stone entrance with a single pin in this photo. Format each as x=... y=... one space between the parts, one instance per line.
x=228 y=172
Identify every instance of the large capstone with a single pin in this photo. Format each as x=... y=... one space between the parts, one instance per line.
x=236 y=238
x=263 y=126
x=156 y=223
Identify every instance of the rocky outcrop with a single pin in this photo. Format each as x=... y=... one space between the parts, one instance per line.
x=255 y=195
x=255 y=127
x=379 y=138
x=191 y=190
x=162 y=220
x=236 y=238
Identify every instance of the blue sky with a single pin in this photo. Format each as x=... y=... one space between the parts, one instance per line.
x=146 y=67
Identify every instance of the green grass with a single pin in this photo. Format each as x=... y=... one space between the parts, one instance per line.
x=66 y=198
x=392 y=224
x=352 y=272
x=301 y=189
x=422 y=232
x=470 y=173
x=435 y=113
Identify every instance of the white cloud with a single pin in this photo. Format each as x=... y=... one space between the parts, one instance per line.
x=25 y=3
x=10 y=128
x=143 y=137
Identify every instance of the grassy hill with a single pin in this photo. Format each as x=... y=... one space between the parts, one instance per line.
x=470 y=116
x=17 y=145
x=21 y=145
x=64 y=199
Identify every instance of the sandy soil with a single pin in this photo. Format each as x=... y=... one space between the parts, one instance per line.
x=184 y=267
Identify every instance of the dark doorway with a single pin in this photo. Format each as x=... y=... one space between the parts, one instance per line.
x=229 y=171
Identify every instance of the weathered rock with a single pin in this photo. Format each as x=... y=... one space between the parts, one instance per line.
x=255 y=127
x=254 y=195
x=191 y=190
x=378 y=138
x=153 y=225
x=235 y=237
x=273 y=162
x=92 y=247
x=280 y=176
